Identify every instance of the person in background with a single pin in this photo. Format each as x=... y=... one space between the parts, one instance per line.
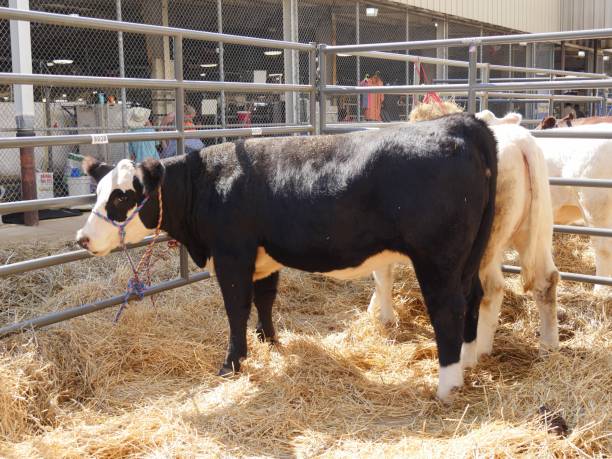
x=169 y=148
x=138 y=121
x=568 y=110
x=579 y=113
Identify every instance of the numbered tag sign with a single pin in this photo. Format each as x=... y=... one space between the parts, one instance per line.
x=97 y=139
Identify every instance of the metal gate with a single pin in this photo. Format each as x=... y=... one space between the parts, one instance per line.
x=478 y=87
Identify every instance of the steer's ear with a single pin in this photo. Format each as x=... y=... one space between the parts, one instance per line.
x=549 y=122
x=94 y=168
x=152 y=171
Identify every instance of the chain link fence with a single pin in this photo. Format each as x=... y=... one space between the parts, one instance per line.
x=76 y=51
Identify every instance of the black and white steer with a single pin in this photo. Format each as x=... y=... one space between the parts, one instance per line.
x=343 y=205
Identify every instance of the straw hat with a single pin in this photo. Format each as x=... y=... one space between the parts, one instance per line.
x=137 y=117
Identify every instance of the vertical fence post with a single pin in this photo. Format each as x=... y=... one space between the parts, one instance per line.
x=358 y=63
x=604 y=102
x=21 y=56
x=472 y=71
x=322 y=84
x=407 y=98
x=312 y=81
x=551 y=100
x=122 y=75
x=221 y=62
x=484 y=77
x=179 y=119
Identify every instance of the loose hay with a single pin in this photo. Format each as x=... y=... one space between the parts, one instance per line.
x=433 y=110
x=337 y=386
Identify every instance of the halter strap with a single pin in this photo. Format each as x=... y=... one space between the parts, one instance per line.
x=121 y=225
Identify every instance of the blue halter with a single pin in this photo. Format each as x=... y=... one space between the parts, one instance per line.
x=121 y=225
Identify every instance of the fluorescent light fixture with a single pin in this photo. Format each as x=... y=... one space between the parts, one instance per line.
x=273 y=75
x=273 y=52
x=209 y=66
x=523 y=43
x=50 y=64
x=202 y=74
x=435 y=24
x=606 y=58
x=581 y=53
x=63 y=61
x=343 y=55
x=371 y=11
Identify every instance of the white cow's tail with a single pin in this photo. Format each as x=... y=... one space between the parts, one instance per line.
x=540 y=210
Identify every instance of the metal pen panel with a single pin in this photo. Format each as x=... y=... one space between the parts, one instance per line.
x=60 y=316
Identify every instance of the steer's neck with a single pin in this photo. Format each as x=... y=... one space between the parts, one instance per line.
x=179 y=195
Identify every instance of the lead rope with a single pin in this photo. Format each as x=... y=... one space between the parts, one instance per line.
x=135 y=285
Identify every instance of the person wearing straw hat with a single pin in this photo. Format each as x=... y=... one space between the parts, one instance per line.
x=138 y=121
x=169 y=146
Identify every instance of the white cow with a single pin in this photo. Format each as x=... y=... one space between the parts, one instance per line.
x=523 y=220
x=583 y=158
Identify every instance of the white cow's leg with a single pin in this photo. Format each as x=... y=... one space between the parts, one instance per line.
x=493 y=287
x=381 y=304
x=545 y=294
x=603 y=260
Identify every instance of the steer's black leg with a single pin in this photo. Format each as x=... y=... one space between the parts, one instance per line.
x=235 y=277
x=446 y=305
x=474 y=294
x=264 y=294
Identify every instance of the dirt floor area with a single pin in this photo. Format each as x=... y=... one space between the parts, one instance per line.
x=336 y=386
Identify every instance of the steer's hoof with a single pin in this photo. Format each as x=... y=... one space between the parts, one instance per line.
x=227 y=371
x=263 y=338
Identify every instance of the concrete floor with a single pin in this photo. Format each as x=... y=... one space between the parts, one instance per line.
x=59 y=229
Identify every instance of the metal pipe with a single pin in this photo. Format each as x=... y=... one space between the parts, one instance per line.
x=572 y=277
x=49 y=203
x=147 y=29
x=84 y=139
x=184 y=262
x=146 y=83
x=358 y=63
x=322 y=88
x=588 y=231
x=490 y=40
x=122 y=75
x=589 y=183
x=472 y=75
x=221 y=62
x=312 y=80
x=62 y=258
x=572 y=133
x=61 y=316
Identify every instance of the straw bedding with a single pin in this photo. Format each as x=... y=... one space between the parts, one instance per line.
x=337 y=386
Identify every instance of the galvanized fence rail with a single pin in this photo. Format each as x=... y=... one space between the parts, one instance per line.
x=318 y=90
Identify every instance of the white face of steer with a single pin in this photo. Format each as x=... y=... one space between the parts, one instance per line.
x=119 y=192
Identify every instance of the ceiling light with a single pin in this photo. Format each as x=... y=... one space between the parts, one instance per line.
x=202 y=74
x=50 y=64
x=63 y=61
x=523 y=43
x=435 y=24
x=606 y=58
x=371 y=11
x=273 y=53
x=208 y=66
x=581 y=53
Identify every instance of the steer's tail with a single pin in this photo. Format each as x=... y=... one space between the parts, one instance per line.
x=487 y=146
x=537 y=226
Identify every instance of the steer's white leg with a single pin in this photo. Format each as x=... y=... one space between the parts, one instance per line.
x=603 y=261
x=468 y=354
x=493 y=286
x=450 y=376
x=381 y=304
x=545 y=294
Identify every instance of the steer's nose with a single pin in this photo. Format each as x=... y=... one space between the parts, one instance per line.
x=83 y=242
